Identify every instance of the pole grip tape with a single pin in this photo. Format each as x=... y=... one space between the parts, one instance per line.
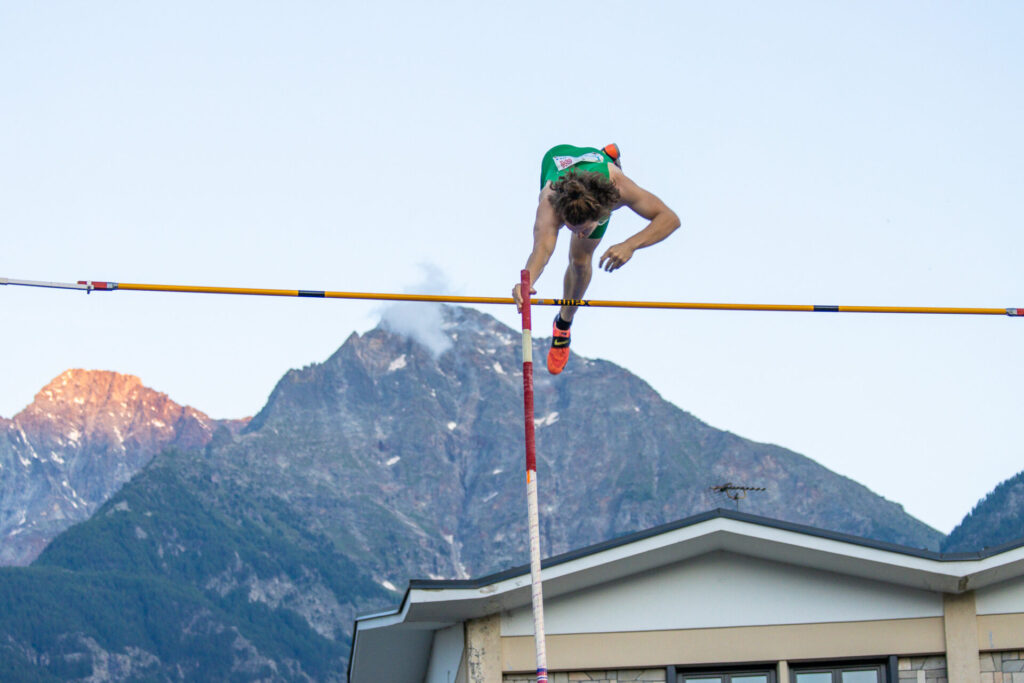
x=524 y=292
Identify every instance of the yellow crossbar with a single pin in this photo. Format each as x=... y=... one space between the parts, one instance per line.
x=99 y=286
x=593 y=303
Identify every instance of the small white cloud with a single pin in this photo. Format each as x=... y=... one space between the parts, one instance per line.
x=421 y=321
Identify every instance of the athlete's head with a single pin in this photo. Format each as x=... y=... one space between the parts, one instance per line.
x=583 y=200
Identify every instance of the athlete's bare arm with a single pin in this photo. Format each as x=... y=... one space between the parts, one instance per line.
x=545 y=234
x=663 y=221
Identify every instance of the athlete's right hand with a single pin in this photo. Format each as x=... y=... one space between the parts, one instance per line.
x=517 y=294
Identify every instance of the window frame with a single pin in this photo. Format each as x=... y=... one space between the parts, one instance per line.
x=836 y=669
x=726 y=673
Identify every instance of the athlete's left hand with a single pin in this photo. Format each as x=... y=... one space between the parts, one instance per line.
x=615 y=257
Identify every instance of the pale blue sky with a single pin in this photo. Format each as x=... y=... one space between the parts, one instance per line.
x=817 y=153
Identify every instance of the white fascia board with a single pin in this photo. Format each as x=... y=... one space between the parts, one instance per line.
x=583 y=572
x=843 y=558
x=947 y=576
x=383 y=619
x=736 y=536
x=399 y=619
x=782 y=545
x=991 y=570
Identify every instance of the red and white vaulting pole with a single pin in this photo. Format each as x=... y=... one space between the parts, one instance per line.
x=531 y=484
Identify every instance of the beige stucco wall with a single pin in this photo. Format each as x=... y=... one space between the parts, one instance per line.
x=958 y=638
x=970 y=641
x=792 y=642
x=1001 y=631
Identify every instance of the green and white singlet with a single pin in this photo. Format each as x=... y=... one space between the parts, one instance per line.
x=562 y=159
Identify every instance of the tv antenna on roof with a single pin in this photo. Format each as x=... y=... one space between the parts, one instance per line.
x=735 y=492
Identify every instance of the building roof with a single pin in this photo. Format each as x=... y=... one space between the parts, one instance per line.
x=405 y=633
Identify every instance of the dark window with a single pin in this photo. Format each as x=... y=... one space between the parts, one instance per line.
x=849 y=673
x=733 y=676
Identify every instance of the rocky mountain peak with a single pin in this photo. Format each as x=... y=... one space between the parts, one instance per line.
x=412 y=431
x=86 y=433
x=427 y=354
x=81 y=406
x=78 y=387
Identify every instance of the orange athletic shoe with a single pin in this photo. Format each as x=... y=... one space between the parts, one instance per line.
x=613 y=153
x=558 y=354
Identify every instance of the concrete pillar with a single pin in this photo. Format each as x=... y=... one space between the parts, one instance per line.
x=483 y=649
x=782 y=672
x=960 y=618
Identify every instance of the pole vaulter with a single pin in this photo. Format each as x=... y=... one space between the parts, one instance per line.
x=103 y=286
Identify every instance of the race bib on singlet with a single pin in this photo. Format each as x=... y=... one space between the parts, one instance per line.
x=562 y=163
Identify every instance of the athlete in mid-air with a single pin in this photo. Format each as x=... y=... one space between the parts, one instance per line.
x=580 y=187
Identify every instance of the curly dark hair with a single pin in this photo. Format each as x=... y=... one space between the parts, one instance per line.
x=581 y=197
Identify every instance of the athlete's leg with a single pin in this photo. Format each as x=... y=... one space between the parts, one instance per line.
x=577 y=277
x=576 y=280
x=579 y=272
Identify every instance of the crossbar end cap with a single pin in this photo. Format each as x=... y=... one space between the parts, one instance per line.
x=102 y=286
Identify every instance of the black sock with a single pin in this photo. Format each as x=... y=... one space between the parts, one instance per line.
x=561 y=324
